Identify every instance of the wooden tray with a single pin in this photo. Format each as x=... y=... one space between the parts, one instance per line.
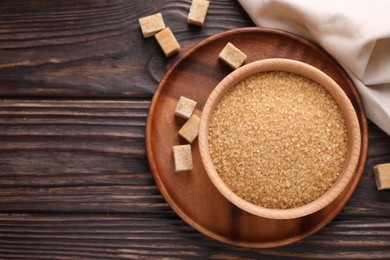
x=192 y=195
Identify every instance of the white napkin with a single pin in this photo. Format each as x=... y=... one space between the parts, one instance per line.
x=355 y=32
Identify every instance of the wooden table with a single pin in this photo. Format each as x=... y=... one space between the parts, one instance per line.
x=76 y=80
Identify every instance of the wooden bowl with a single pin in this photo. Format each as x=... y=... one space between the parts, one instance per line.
x=348 y=111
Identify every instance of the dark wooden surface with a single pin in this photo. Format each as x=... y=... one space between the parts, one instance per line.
x=76 y=80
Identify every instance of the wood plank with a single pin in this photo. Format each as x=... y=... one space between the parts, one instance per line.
x=71 y=155
x=53 y=211
x=96 y=48
x=127 y=236
x=89 y=156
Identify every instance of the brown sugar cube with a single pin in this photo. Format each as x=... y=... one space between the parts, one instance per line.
x=182 y=157
x=198 y=12
x=232 y=56
x=167 y=42
x=189 y=130
x=152 y=24
x=382 y=176
x=185 y=107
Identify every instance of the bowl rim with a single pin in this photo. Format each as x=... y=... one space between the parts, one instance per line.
x=348 y=111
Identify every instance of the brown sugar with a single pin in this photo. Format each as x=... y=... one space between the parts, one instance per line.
x=182 y=157
x=167 y=41
x=382 y=176
x=232 y=56
x=278 y=140
x=152 y=24
x=198 y=12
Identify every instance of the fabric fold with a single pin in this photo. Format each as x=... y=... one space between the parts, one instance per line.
x=355 y=33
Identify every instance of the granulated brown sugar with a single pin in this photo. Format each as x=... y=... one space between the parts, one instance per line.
x=278 y=140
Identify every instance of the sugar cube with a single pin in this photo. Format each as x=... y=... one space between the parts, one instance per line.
x=167 y=42
x=198 y=12
x=189 y=130
x=382 y=176
x=232 y=56
x=185 y=107
x=182 y=157
x=152 y=24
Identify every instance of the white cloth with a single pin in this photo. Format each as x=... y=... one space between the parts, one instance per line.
x=355 y=32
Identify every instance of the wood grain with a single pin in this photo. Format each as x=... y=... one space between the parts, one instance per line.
x=76 y=78
x=125 y=236
x=94 y=48
x=70 y=155
x=93 y=201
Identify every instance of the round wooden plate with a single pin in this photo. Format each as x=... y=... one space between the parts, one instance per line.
x=191 y=194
